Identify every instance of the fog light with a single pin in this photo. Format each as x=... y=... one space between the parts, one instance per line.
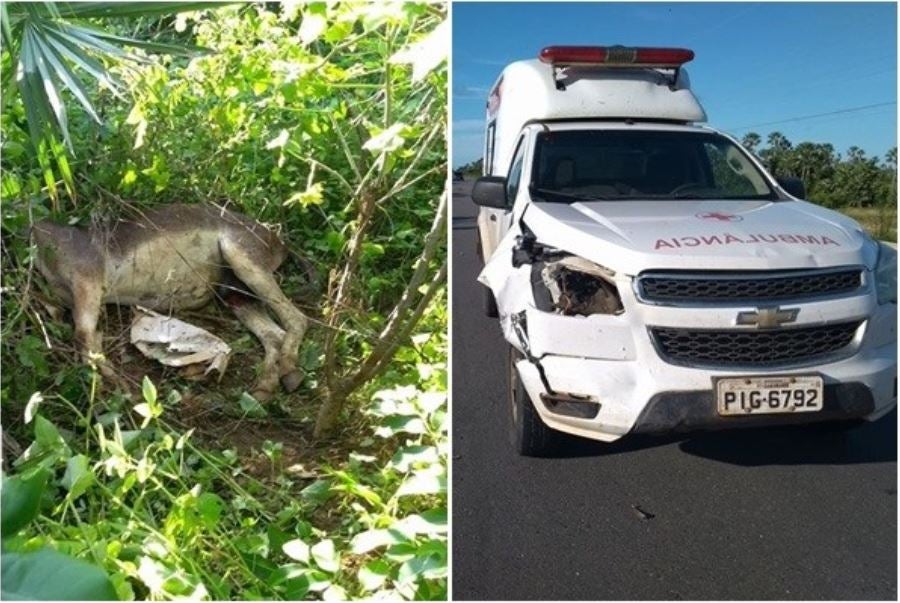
x=571 y=405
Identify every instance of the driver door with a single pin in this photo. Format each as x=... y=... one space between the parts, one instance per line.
x=494 y=223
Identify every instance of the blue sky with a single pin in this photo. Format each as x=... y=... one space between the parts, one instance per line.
x=755 y=62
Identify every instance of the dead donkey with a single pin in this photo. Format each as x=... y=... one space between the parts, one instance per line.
x=177 y=257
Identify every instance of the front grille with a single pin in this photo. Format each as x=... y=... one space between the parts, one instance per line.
x=747 y=286
x=741 y=347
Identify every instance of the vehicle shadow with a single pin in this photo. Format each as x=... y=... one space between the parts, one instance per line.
x=791 y=445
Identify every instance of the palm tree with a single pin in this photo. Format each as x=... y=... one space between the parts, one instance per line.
x=751 y=140
x=55 y=47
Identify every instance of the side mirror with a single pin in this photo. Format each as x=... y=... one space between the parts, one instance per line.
x=490 y=191
x=793 y=186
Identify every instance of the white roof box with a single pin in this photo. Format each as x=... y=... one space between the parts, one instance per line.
x=587 y=82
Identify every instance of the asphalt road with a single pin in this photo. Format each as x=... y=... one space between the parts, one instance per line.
x=758 y=514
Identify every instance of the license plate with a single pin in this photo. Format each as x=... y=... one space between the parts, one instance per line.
x=768 y=395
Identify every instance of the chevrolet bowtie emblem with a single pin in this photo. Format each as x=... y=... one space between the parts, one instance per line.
x=768 y=318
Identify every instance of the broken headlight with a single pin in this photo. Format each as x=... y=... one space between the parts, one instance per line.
x=575 y=287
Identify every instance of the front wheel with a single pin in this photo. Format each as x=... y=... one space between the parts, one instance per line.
x=529 y=435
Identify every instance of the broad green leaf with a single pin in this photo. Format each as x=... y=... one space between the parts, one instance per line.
x=318 y=580
x=391 y=426
x=387 y=140
x=46 y=435
x=251 y=407
x=317 y=492
x=30 y=352
x=20 y=500
x=297 y=550
x=210 y=506
x=422 y=566
x=325 y=556
x=290 y=571
x=149 y=391
x=334 y=593
x=372 y=575
x=78 y=477
x=406 y=457
x=51 y=576
x=419 y=483
x=372 y=539
x=431 y=522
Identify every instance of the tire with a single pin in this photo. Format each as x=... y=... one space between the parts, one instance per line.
x=489 y=303
x=529 y=435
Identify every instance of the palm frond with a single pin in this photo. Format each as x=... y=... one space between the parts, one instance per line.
x=52 y=53
x=110 y=10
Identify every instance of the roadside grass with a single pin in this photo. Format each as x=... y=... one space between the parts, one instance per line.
x=176 y=490
x=880 y=222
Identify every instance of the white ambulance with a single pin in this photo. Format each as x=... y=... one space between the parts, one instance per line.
x=649 y=274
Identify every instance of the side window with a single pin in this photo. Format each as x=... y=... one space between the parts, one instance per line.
x=731 y=172
x=515 y=172
x=489 y=147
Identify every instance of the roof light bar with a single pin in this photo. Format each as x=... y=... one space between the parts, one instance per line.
x=616 y=56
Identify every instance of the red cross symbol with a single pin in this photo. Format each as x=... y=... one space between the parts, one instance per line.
x=714 y=215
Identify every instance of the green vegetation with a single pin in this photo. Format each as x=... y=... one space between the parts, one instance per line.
x=471 y=170
x=865 y=188
x=324 y=120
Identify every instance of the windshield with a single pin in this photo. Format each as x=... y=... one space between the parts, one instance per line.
x=574 y=165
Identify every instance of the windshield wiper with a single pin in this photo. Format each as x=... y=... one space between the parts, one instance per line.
x=580 y=197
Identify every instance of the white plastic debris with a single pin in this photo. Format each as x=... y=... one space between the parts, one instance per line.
x=176 y=343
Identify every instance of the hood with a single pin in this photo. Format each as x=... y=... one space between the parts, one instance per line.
x=632 y=236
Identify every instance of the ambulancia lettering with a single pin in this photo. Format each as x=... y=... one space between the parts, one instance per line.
x=730 y=239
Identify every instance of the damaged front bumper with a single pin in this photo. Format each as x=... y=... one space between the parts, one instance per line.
x=646 y=395
x=601 y=376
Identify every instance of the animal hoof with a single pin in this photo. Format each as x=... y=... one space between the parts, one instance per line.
x=291 y=381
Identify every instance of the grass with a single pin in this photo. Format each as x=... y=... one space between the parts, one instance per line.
x=880 y=222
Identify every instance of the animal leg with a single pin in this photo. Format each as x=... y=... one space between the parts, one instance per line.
x=263 y=284
x=86 y=304
x=253 y=315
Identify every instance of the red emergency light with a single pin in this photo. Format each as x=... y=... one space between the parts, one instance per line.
x=616 y=56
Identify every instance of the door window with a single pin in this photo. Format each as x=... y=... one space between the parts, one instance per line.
x=515 y=172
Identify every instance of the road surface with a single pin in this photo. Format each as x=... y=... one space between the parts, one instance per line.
x=758 y=514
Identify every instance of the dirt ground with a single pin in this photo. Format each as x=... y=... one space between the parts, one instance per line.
x=210 y=405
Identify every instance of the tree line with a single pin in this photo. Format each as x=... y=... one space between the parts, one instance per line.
x=833 y=180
